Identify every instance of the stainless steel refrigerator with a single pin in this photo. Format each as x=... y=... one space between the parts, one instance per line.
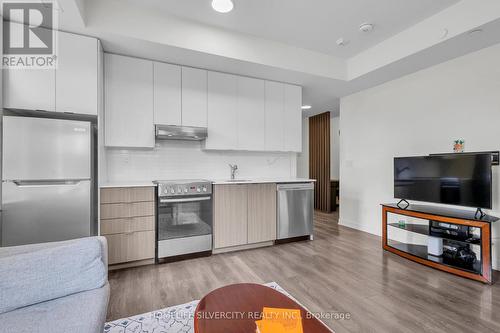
x=48 y=188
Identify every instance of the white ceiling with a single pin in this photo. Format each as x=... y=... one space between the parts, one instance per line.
x=190 y=33
x=309 y=24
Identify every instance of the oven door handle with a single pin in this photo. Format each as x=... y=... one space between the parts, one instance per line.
x=184 y=200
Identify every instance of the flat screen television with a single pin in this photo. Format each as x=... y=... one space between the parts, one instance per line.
x=455 y=179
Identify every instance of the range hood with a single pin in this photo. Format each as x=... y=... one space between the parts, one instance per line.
x=169 y=132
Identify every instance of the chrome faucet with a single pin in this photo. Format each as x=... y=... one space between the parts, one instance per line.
x=234 y=168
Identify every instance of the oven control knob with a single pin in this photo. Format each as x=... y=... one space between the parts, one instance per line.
x=179 y=190
x=185 y=190
x=204 y=189
x=198 y=189
x=172 y=190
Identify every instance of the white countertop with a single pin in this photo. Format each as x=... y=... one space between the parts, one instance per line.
x=263 y=181
x=215 y=182
x=128 y=184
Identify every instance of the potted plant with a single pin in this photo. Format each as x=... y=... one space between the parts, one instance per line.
x=458 y=146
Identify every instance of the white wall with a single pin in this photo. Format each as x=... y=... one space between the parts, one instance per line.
x=418 y=114
x=303 y=157
x=185 y=160
x=334 y=148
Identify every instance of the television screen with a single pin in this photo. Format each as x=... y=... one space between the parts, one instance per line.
x=463 y=180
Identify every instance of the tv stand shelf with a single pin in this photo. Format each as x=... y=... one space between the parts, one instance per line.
x=478 y=243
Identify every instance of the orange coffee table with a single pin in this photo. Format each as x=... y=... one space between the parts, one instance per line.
x=235 y=308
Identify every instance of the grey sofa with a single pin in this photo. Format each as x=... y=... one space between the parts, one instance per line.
x=54 y=287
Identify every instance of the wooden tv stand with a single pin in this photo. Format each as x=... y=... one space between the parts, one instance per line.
x=421 y=228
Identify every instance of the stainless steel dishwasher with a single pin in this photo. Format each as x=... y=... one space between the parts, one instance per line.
x=295 y=210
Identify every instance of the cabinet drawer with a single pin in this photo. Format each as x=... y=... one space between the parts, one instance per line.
x=126 y=225
x=131 y=246
x=127 y=194
x=121 y=210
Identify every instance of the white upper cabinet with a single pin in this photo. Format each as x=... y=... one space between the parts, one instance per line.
x=32 y=89
x=167 y=94
x=222 y=111
x=71 y=87
x=194 y=97
x=77 y=74
x=274 y=124
x=128 y=102
x=293 y=118
x=251 y=114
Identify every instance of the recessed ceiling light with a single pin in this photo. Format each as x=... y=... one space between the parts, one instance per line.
x=306 y=107
x=366 y=27
x=222 y=6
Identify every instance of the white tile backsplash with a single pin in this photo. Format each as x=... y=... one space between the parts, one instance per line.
x=185 y=159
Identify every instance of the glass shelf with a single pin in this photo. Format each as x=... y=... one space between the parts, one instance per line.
x=424 y=230
x=421 y=252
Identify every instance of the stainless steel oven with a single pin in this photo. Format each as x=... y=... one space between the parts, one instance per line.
x=184 y=218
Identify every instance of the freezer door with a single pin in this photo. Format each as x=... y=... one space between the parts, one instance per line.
x=45 y=211
x=39 y=148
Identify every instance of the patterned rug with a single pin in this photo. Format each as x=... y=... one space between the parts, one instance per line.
x=174 y=319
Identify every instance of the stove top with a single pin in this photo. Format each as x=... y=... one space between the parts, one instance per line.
x=183 y=187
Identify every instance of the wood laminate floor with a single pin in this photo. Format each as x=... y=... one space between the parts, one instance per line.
x=342 y=270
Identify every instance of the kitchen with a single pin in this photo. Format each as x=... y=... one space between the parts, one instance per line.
x=166 y=164
x=158 y=124
x=183 y=102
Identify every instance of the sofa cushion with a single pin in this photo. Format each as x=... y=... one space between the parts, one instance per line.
x=78 y=313
x=47 y=273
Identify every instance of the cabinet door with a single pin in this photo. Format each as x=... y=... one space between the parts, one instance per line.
x=274 y=124
x=129 y=102
x=76 y=74
x=130 y=247
x=32 y=89
x=230 y=215
x=222 y=111
x=167 y=94
x=261 y=213
x=194 y=97
x=251 y=114
x=293 y=118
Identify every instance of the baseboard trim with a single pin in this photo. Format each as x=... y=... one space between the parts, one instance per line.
x=131 y=264
x=242 y=247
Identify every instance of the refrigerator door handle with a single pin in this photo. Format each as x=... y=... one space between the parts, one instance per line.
x=49 y=182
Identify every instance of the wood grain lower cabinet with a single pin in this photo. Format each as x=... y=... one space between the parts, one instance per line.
x=244 y=214
x=131 y=246
x=261 y=213
x=127 y=194
x=230 y=215
x=128 y=223
x=124 y=210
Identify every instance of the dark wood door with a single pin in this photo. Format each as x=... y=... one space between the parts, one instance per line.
x=319 y=160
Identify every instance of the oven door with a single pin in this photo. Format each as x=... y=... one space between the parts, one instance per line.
x=184 y=225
